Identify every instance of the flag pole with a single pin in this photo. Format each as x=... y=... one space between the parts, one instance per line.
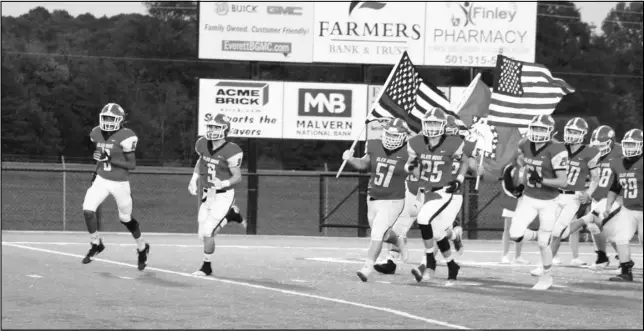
x=375 y=102
x=478 y=176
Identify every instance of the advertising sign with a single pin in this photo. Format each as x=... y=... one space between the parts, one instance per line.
x=324 y=111
x=256 y=31
x=254 y=107
x=471 y=34
x=368 y=31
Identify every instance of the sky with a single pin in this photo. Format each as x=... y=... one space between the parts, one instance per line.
x=591 y=12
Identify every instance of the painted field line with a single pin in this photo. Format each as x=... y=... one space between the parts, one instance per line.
x=261 y=287
x=61 y=243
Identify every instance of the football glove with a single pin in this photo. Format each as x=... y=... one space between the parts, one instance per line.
x=412 y=165
x=518 y=191
x=534 y=178
x=101 y=156
x=453 y=186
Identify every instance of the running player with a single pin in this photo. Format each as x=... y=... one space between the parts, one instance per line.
x=430 y=158
x=513 y=190
x=218 y=171
x=385 y=157
x=629 y=182
x=603 y=138
x=546 y=171
x=115 y=146
x=582 y=163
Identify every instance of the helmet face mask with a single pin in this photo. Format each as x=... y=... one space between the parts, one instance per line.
x=603 y=139
x=603 y=146
x=111 y=117
x=433 y=128
x=539 y=133
x=632 y=143
x=215 y=131
x=394 y=134
x=574 y=135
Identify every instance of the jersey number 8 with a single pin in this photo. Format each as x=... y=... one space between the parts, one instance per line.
x=604 y=177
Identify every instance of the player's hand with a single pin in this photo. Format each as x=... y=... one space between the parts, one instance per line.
x=101 y=156
x=453 y=186
x=218 y=185
x=347 y=155
x=534 y=178
x=192 y=187
x=411 y=166
x=518 y=191
x=584 y=198
x=606 y=213
x=480 y=170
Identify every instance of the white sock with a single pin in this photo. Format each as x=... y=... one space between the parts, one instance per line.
x=207 y=257
x=140 y=243
x=369 y=263
x=94 y=238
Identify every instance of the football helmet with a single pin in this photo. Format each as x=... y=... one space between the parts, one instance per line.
x=217 y=127
x=394 y=134
x=540 y=129
x=111 y=117
x=434 y=123
x=575 y=131
x=451 y=128
x=632 y=143
x=603 y=138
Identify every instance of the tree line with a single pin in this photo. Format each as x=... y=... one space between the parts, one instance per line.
x=59 y=70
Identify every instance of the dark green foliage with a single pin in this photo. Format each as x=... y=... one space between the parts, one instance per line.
x=59 y=70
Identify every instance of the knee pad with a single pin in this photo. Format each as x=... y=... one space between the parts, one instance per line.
x=544 y=238
x=125 y=218
x=426 y=231
x=443 y=245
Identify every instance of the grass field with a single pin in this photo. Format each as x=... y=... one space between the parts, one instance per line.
x=33 y=200
x=281 y=282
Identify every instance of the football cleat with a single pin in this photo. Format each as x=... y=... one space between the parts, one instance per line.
x=545 y=281
x=206 y=270
x=387 y=268
x=505 y=259
x=143 y=256
x=556 y=260
x=364 y=273
x=626 y=274
x=421 y=273
x=540 y=129
x=577 y=262
x=601 y=262
x=94 y=250
x=452 y=270
x=537 y=272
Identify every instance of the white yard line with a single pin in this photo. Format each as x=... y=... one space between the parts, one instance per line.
x=261 y=287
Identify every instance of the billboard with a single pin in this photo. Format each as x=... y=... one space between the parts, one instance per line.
x=324 y=111
x=368 y=32
x=471 y=34
x=254 y=108
x=257 y=31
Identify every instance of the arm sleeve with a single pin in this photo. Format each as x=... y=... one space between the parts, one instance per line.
x=235 y=161
x=560 y=161
x=592 y=164
x=366 y=147
x=129 y=144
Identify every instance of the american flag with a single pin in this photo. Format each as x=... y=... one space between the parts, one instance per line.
x=407 y=96
x=522 y=91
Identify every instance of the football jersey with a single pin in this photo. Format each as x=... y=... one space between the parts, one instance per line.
x=437 y=162
x=550 y=158
x=217 y=163
x=116 y=144
x=580 y=163
x=606 y=175
x=629 y=177
x=387 y=169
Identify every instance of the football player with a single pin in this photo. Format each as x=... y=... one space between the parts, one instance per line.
x=512 y=188
x=582 y=162
x=628 y=181
x=410 y=212
x=603 y=138
x=431 y=156
x=115 y=146
x=385 y=157
x=218 y=171
x=546 y=165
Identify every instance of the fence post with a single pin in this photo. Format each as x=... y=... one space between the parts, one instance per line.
x=253 y=186
x=326 y=197
x=472 y=209
x=62 y=160
x=321 y=210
